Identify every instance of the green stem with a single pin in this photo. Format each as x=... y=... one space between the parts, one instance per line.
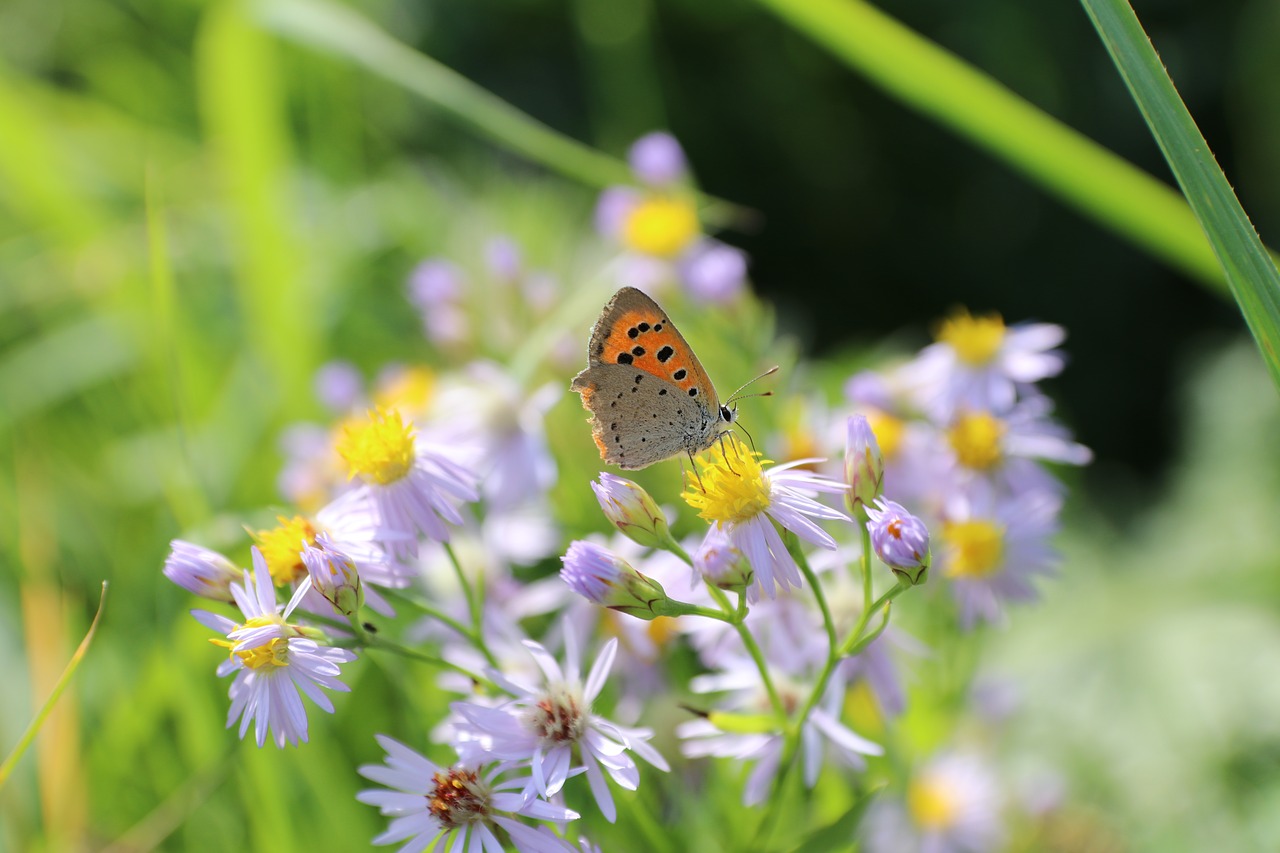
x=753 y=649
x=373 y=641
x=793 y=545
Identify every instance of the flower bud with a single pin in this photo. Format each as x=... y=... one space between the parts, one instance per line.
x=900 y=540
x=201 y=571
x=334 y=576
x=599 y=576
x=721 y=564
x=863 y=465
x=631 y=510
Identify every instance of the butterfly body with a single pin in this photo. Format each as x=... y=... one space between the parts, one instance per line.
x=648 y=395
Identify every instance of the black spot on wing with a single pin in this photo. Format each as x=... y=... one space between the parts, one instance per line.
x=677 y=376
x=665 y=353
x=633 y=332
x=637 y=351
x=625 y=358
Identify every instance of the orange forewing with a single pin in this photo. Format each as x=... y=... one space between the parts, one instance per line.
x=646 y=340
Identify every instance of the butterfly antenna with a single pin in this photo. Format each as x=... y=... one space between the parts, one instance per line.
x=737 y=395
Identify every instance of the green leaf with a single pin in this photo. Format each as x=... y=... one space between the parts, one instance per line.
x=1250 y=270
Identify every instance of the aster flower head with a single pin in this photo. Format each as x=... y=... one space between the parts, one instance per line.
x=992 y=553
x=464 y=807
x=900 y=540
x=550 y=728
x=952 y=805
x=719 y=563
x=333 y=574
x=206 y=573
x=738 y=495
x=603 y=578
x=274 y=660
x=631 y=510
x=413 y=488
x=979 y=363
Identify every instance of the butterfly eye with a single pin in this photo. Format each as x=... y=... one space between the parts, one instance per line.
x=727 y=415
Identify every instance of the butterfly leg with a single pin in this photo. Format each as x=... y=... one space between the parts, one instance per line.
x=694 y=466
x=725 y=455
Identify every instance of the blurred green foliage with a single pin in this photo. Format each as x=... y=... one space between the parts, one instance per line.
x=195 y=214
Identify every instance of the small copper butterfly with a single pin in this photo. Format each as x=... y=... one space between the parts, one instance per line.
x=648 y=395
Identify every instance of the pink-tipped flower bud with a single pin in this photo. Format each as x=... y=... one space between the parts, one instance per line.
x=199 y=570
x=632 y=511
x=900 y=540
x=334 y=576
x=863 y=465
x=600 y=576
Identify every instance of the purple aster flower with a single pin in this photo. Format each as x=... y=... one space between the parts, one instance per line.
x=980 y=364
x=734 y=492
x=543 y=724
x=206 y=573
x=339 y=386
x=991 y=554
x=605 y=579
x=274 y=661
x=713 y=271
x=503 y=259
x=456 y=808
x=657 y=159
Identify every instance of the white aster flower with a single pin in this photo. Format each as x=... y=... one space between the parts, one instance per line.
x=460 y=808
x=550 y=728
x=411 y=488
x=273 y=660
x=978 y=363
x=952 y=805
x=741 y=498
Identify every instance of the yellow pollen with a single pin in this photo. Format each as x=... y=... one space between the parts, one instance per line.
x=888 y=430
x=862 y=710
x=733 y=486
x=408 y=391
x=933 y=806
x=975 y=339
x=274 y=653
x=974 y=548
x=661 y=630
x=661 y=225
x=975 y=437
x=380 y=451
x=281 y=547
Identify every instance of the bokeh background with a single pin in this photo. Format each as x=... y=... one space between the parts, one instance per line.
x=196 y=212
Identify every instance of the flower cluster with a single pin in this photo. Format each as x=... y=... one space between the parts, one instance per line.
x=435 y=499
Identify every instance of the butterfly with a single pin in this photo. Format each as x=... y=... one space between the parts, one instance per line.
x=648 y=395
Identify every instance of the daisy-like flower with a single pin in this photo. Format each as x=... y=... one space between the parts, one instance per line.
x=952 y=805
x=993 y=454
x=992 y=553
x=743 y=499
x=551 y=729
x=979 y=363
x=822 y=736
x=274 y=660
x=410 y=487
x=199 y=570
x=456 y=808
x=658 y=227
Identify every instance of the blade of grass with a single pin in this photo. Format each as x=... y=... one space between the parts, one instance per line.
x=34 y=728
x=1067 y=164
x=341 y=31
x=244 y=114
x=1250 y=270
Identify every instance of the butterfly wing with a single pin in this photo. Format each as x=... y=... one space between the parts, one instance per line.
x=639 y=419
x=634 y=331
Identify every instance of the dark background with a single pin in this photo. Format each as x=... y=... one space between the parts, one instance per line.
x=877 y=220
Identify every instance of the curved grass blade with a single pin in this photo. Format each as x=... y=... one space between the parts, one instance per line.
x=63 y=680
x=1250 y=270
x=1070 y=166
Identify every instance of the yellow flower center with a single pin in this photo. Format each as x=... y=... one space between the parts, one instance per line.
x=933 y=805
x=974 y=548
x=730 y=486
x=888 y=430
x=282 y=546
x=661 y=225
x=975 y=339
x=975 y=437
x=862 y=710
x=273 y=653
x=409 y=390
x=380 y=451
